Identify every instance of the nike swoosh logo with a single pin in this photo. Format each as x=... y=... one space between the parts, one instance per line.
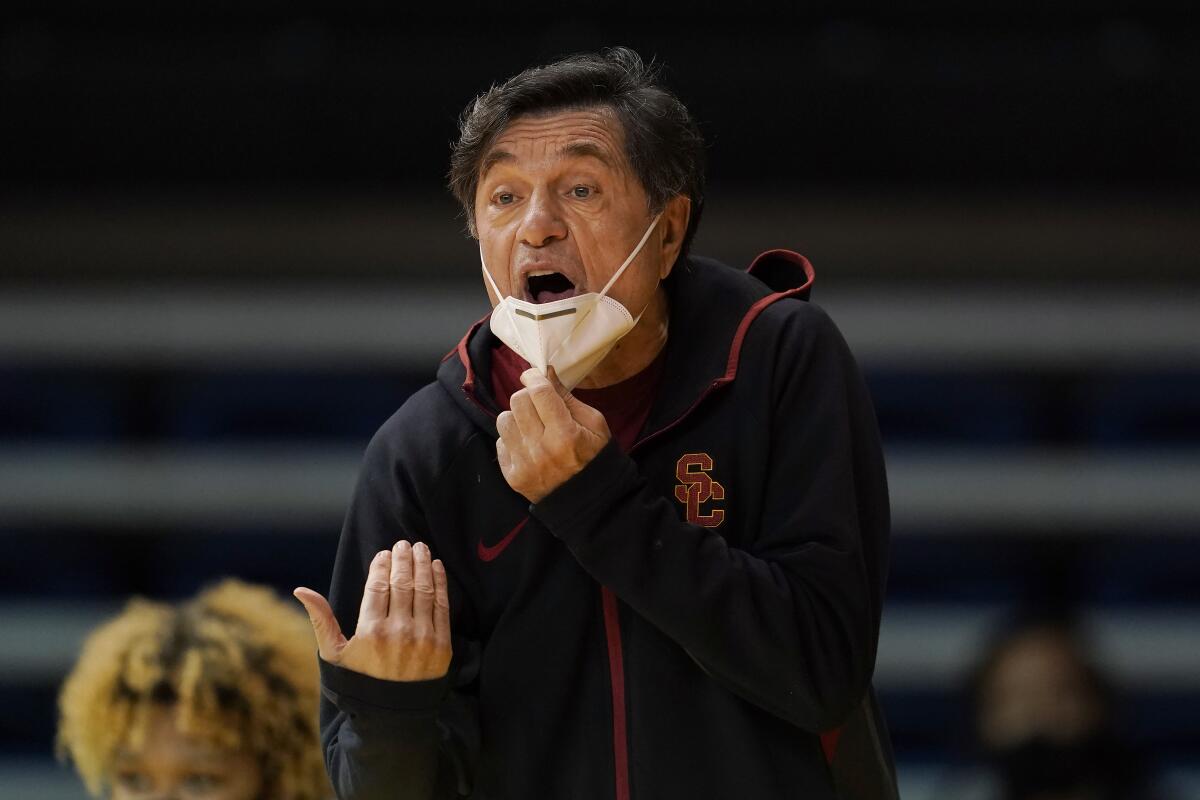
x=487 y=553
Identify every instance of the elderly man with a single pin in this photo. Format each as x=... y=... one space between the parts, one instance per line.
x=632 y=542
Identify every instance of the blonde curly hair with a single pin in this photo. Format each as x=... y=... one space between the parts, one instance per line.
x=237 y=662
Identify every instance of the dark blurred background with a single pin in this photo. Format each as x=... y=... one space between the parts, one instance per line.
x=226 y=255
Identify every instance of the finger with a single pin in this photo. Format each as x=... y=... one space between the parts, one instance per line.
x=422 y=585
x=325 y=625
x=503 y=457
x=510 y=459
x=550 y=406
x=580 y=411
x=441 y=602
x=588 y=417
x=375 y=592
x=506 y=426
x=401 y=580
x=552 y=377
x=510 y=447
x=526 y=415
x=529 y=376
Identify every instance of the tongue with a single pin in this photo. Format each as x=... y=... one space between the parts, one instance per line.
x=547 y=296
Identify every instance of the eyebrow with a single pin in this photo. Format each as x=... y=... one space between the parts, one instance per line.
x=493 y=158
x=588 y=150
x=574 y=150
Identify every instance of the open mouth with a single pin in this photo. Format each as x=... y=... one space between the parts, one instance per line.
x=544 y=286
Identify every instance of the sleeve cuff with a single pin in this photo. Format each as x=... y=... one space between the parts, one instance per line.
x=365 y=691
x=571 y=510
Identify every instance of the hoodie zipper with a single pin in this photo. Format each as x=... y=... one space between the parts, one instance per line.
x=612 y=631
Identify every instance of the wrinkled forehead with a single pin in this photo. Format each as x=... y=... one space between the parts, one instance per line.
x=545 y=138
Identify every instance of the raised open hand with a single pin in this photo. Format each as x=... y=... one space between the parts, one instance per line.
x=403 y=631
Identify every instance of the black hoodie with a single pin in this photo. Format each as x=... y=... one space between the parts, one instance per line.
x=682 y=621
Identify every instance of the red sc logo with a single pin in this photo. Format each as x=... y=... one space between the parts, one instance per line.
x=696 y=487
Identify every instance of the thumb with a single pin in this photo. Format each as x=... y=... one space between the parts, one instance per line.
x=588 y=417
x=328 y=633
x=563 y=392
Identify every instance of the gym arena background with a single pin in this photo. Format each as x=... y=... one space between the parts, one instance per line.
x=226 y=255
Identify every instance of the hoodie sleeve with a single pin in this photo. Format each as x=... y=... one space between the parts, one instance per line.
x=789 y=621
x=395 y=739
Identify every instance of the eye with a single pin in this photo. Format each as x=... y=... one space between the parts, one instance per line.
x=581 y=191
x=132 y=781
x=503 y=198
x=202 y=783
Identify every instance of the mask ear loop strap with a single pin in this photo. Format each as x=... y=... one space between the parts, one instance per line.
x=613 y=279
x=633 y=255
x=488 y=275
x=499 y=297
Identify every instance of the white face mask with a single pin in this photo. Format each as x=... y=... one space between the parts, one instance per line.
x=573 y=334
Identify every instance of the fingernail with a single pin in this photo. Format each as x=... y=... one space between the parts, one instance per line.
x=402 y=545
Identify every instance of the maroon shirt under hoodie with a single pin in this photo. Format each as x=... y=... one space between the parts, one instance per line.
x=625 y=405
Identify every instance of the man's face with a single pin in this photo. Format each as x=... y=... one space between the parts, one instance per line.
x=558 y=209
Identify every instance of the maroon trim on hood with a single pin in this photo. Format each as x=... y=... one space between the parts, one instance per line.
x=735 y=347
x=786 y=255
x=468 y=384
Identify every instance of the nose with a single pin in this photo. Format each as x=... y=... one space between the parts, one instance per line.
x=542 y=222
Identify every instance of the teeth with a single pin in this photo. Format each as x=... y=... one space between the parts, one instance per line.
x=537 y=273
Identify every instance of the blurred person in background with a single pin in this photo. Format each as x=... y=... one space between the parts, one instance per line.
x=1044 y=721
x=214 y=699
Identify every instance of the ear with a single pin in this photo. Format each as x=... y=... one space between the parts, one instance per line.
x=674 y=227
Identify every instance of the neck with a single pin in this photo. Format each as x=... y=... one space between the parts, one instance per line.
x=636 y=350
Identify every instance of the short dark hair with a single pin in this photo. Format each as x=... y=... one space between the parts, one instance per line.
x=662 y=142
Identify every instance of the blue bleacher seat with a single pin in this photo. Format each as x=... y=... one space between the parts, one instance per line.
x=1157 y=410
x=59 y=405
x=930 y=408
x=277 y=405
